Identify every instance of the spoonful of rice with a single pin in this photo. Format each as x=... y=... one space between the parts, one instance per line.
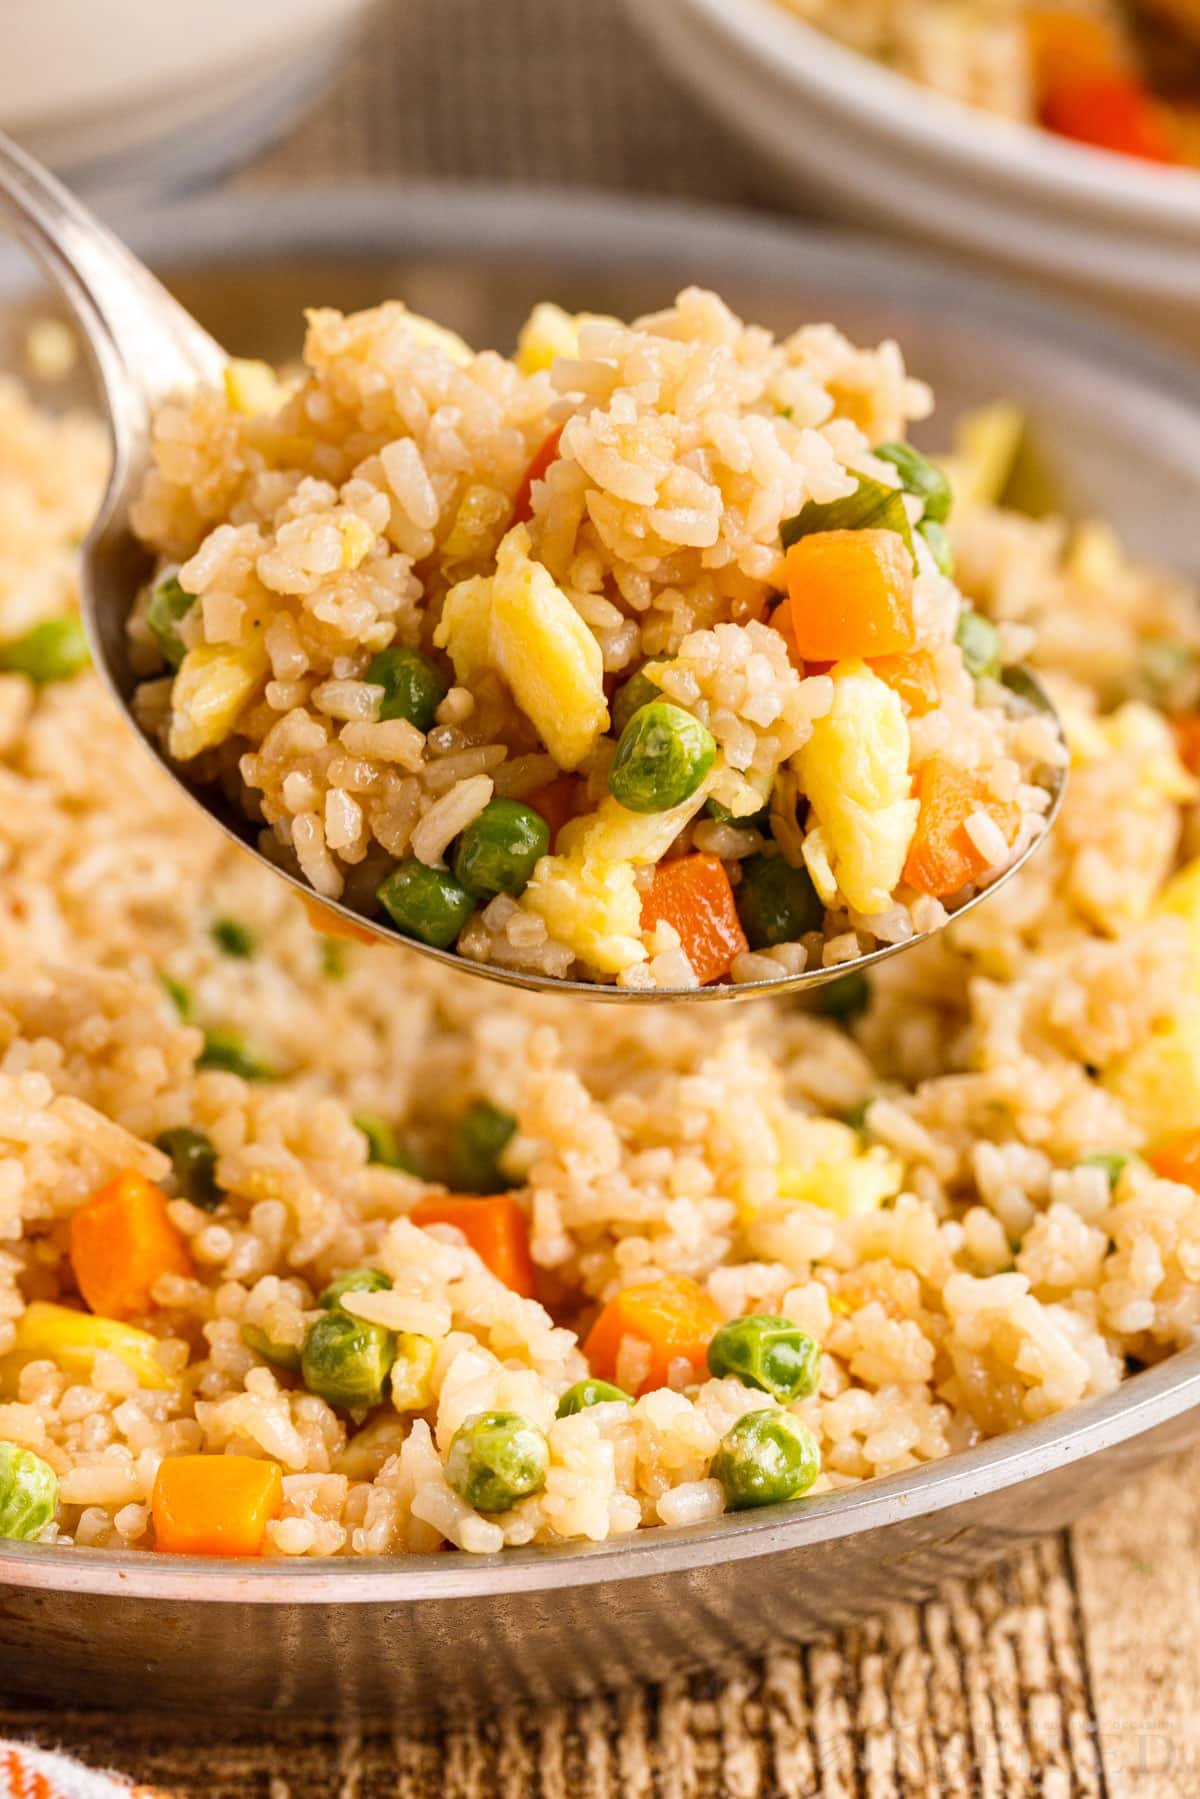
x=630 y=666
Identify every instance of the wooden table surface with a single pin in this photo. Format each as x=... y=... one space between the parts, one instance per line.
x=1074 y=1670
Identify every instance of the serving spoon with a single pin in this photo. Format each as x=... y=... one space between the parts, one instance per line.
x=146 y=348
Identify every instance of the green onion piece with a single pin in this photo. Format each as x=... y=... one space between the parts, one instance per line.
x=979 y=641
x=1023 y=687
x=1114 y=1164
x=937 y=537
x=871 y=507
x=168 y=604
x=921 y=477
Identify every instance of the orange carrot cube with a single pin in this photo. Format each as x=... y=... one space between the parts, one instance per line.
x=496 y=1228
x=673 y=1319
x=214 y=1504
x=851 y=594
x=121 y=1242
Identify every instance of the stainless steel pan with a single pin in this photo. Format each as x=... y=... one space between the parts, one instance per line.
x=1119 y=425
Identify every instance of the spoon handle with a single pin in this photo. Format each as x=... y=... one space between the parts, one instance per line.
x=144 y=344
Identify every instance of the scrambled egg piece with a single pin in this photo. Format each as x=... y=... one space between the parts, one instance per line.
x=214 y=682
x=72 y=1340
x=440 y=338
x=357 y=539
x=1159 y=1082
x=520 y=622
x=593 y=906
x=1181 y=896
x=1142 y=738
x=253 y=388
x=986 y=444
x=854 y=769
x=824 y=1162
x=588 y=893
x=549 y=333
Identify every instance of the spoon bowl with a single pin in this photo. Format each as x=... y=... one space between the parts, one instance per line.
x=146 y=348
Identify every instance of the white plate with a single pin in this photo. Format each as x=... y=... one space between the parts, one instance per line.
x=142 y=96
x=855 y=139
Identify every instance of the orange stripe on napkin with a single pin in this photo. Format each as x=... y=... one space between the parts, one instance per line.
x=30 y=1773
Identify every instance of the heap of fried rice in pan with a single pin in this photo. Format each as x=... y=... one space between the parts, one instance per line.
x=314 y=1247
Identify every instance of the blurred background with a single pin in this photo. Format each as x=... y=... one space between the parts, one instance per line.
x=1074 y=161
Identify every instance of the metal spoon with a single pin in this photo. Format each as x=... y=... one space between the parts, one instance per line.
x=146 y=348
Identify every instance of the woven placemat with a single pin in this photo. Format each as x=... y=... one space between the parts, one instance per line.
x=983 y=1690
x=539 y=91
x=1073 y=1670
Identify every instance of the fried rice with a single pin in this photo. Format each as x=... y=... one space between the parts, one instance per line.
x=1120 y=77
x=950 y=1185
x=615 y=512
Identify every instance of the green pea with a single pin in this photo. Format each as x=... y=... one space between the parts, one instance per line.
x=229 y=1050
x=921 y=477
x=354 y=1280
x=633 y=694
x=194 y=1160
x=769 y=1353
x=280 y=1355
x=1114 y=1164
x=28 y=1494
x=333 y=958
x=383 y=1145
x=413 y=686
x=426 y=903
x=776 y=902
x=979 y=641
x=179 y=996
x=844 y=999
x=663 y=756
x=232 y=938
x=587 y=1393
x=55 y=650
x=346 y=1361
x=938 y=539
x=767 y=1457
x=167 y=606
x=499 y=850
x=481 y=1136
x=497 y=1458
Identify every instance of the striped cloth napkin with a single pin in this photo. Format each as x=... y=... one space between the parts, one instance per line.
x=29 y=1773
